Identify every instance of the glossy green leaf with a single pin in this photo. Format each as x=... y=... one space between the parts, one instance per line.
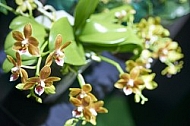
x=74 y=52
x=99 y=35
x=109 y=16
x=38 y=31
x=83 y=11
x=2 y=9
x=101 y=32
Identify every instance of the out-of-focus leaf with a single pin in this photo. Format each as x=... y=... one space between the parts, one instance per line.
x=109 y=16
x=83 y=11
x=118 y=113
x=3 y=10
x=99 y=36
x=74 y=52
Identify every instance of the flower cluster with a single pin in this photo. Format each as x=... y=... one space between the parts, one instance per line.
x=38 y=46
x=28 y=45
x=87 y=105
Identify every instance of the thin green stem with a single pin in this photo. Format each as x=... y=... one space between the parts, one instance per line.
x=8 y=8
x=28 y=67
x=113 y=63
x=80 y=79
x=38 y=66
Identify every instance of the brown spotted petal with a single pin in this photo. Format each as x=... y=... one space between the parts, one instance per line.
x=125 y=76
x=28 y=85
x=49 y=59
x=65 y=45
x=17 y=46
x=24 y=75
x=87 y=114
x=11 y=60
x=34 y=79
x=58 y=42
x=27 y=30
x=134 y=73
x=18 y=59
x=93 y=98
x=87 y=88
x=17 y=36
x=119 y=85
x=45 y=72
x=74 y=91
x=75 y=101
x=33 y=50
x=98 y=107
x=33 y=41
x=51 y=79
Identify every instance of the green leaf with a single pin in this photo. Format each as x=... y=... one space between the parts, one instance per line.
x=118 y=112
x=2 y=9
x=100 y=32
x=50 y=90
x=38 y=31
x=109 y=16
x=74 y=52
x=100 y=35
x=7 y=66
x=83 y=11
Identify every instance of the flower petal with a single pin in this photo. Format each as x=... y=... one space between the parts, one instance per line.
x=17 y=36
x=74 y=91
x=11 y=60
x=27 y=30
x=76 y=102
x=49 y=59
x=59 y=61
x=127 y=91
x=119 y=85
x=51 y=79
x=65 y=45
x=14 y=77
x=58 y=42
x=17 y=46
x=18 y=58
x=87 y=88
x=33 y=41
x=125 y=76
x=33 y=50
x=28 y=85
x=134 y=73
x=24 y=75
x=34 y=79
x=45 y=72
x=93 y=98
x=39 y=90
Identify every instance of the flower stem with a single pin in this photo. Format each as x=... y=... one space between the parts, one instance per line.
x=80 y=80
x=8 y=8
x=38 y=66
x=113 y=63
x=29 y=67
